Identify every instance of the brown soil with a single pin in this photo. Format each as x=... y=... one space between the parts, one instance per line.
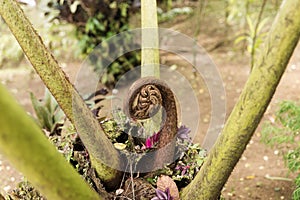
x=250 y=178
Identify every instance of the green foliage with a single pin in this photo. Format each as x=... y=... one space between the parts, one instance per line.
x=171 y=14
x=236 y=10
x=286 y=127
x=284 y=135
x=25 y=190
x=250 y=17
x=95 y=22
x=71 y=147
x=184 y=170
x=189 y=164
x=10 y=52
x=254 y=38
x=49 y=114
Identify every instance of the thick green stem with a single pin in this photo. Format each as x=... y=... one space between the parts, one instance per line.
x=22 y=141
x=246 y=115
x=150 y=54
x=58 y=84
x=150 y=43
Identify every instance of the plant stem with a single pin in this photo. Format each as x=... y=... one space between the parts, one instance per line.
x=98 y=145
x=150 y=54
x=254 y=100
x=22 y=141
x=150 y=39
x=253 y=48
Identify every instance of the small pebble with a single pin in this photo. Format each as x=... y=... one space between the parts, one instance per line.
x=7 y=188
x=261 y=167
x=277 y=189
x=293 y=67
x=115 y=91
x=258 y=184
x=119 y=191
x=230 y=194
x=244 y=158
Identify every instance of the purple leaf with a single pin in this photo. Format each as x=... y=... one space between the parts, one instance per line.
x=161 y=194
x=183 y=133
x=169 y=197
x=156 y=137
x=155 y=198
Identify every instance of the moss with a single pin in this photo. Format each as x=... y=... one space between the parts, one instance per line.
x=246 y=115
x=58 y=84
x=29 y=151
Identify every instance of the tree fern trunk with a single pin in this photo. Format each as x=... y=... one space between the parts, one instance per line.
x=22 y=141
x=246 y=115
x=98 y=145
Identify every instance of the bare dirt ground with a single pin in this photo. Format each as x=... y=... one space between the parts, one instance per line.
x=252 y=178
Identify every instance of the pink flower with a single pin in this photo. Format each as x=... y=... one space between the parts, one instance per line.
x=148 y=143
x=151 y=141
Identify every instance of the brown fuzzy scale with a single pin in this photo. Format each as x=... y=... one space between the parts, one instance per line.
x=144 y=98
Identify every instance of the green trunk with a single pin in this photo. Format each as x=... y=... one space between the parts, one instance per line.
x=246 y=115
x=58 y=84
x=22 y=141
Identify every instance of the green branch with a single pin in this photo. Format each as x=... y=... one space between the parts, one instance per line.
x=22 y=141
x=246 y=115
x=59 y=85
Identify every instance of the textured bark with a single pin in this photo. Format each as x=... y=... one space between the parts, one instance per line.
x=59 y=85
x=246 y=115
x=22 y=141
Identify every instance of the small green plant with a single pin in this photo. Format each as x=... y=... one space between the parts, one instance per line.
x=253 y=37
x=49 y=115
x=283 y=134
x=236 y=10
